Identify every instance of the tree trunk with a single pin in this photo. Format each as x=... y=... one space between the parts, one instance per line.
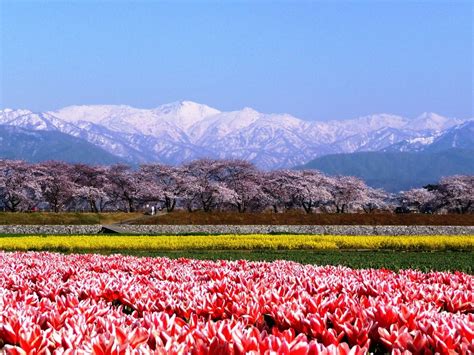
x=308 y=207
x=206 y=204
x=172 y=206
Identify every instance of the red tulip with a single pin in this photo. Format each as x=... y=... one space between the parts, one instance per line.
x=54 y=303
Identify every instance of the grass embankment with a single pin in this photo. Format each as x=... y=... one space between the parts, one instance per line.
x=75 y=218
x=235 y=218
x=301 y=218
x=418 y=252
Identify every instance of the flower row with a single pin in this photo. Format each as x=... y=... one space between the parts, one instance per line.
x=54 y=303
x=237 y=242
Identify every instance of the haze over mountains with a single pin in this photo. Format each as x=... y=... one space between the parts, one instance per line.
x=37 y=146
x=396 y=171
x=183 y=131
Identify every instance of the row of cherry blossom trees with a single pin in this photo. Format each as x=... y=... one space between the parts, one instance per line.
x=210 y=185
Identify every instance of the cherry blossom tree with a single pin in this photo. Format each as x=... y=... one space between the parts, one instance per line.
x=91 y=186
x=311 y=189
x=56 y=187
x=455 y=193
x=245 y=182
x=162 y=183
x=375 y=200
x=202 y=186
x=420 y=200
x=278 y=186
x=348 y=192
x=19 y=189
x=213 y=185
x=307 y=189
x=123 y=187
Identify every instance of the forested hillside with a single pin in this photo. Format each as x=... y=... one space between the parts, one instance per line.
x=395 y=171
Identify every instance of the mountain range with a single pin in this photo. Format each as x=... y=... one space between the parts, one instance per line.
x=37 y=146
x=182 y=131
x=395 y=171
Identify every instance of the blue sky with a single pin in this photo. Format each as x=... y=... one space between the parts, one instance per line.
x=315 y=60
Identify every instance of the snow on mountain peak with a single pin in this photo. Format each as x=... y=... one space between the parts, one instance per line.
x=91 y=113
x=432 y=121
x=185 y=130
x=249 y=110
x=8 y=112
x=382 y=120
x=169 y=117
x=184 y=113
x=430 y=116
x=185 y=105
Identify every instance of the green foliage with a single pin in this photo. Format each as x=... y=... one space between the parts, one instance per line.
x=395 y=171
x=393 y=260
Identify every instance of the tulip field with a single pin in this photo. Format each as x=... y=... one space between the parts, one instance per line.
x=86 y=303
x=425 y=253
x=116 y=304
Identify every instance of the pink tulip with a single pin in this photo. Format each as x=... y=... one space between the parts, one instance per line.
x=65 y=304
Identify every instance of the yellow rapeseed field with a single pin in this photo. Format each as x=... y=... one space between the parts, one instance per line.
x=81 y=243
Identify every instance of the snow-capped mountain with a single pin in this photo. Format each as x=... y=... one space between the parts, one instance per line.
x=460 y=136
x=374 y=140
x=185 y=130
x=432 y=122
x=40 y=145
x=33 y=120
x=173 y=119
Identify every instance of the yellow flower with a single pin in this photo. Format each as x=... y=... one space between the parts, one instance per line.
x=86 y=243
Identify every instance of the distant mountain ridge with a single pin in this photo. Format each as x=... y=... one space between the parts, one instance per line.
x=182 y=131
x=409 y=163
x=460 y=136
x=36 y=146
x=395 y=171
